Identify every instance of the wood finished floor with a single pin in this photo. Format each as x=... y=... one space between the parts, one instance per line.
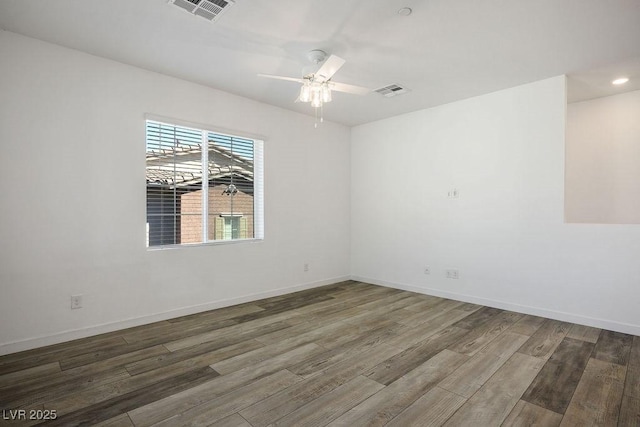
x=349 y=354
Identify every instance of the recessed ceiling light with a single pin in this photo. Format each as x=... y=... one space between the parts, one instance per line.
x=620 y=81
x=405 y=11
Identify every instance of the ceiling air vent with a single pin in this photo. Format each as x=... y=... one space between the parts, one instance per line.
x=209 y=9
x=391 y=90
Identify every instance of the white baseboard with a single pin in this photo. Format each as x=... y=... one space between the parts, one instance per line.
x=41 y=341
x=610 y=325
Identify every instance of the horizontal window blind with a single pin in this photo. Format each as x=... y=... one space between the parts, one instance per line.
x=201 y=186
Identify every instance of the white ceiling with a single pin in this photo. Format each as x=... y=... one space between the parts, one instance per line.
x=445 y=51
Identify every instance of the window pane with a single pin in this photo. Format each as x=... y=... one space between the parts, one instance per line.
x=231 y=187
x=174 y=184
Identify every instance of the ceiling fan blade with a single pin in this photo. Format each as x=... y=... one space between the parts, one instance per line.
x=289 y=79
x=330 y=67
x=342 y=87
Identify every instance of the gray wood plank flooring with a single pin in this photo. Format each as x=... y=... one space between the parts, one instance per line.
x=348 y=354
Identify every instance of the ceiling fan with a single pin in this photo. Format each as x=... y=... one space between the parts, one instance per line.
x=316 y=87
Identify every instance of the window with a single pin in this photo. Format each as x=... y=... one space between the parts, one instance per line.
x=202 y=186
x=233 y=227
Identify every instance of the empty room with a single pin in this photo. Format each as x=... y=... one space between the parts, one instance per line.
x=305 y=213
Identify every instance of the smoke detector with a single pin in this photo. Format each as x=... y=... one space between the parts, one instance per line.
x=208 y=9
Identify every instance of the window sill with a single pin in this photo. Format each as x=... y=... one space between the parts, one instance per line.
x=198 y=245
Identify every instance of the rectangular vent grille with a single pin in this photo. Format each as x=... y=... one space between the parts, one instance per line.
x=209 y=9
x=391 y=90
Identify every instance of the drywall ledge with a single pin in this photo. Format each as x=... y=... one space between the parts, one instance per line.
x=602 y=172
x=31 y=343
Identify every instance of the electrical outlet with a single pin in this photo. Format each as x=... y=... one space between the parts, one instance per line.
x=454 y=193
x=76 y=301
x=427 y=270
x=453 y=274
x=306 y=267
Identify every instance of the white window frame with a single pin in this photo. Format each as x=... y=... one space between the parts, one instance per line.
x=258 y=183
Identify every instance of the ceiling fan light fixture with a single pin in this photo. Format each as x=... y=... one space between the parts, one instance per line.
x=326 y=93
x=316 y=97
x=305 y=92
x=317 y=86
x=316 y=93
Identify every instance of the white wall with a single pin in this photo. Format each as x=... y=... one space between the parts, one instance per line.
x=72 y=221
x=603 y=160
x=506 y=234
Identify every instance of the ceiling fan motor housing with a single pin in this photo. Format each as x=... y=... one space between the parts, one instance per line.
x=317 y=56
